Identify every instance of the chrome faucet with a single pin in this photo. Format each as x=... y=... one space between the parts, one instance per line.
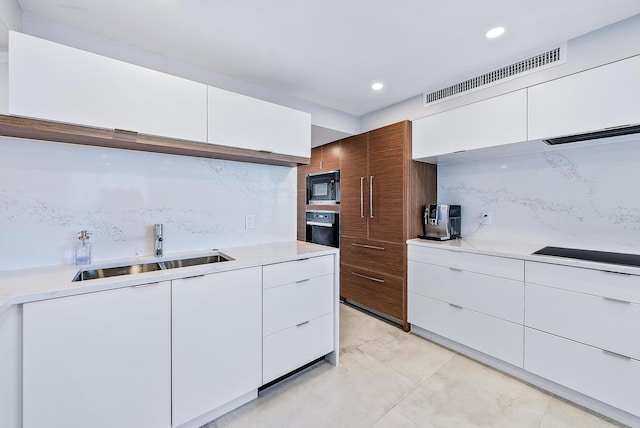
x=157 y=239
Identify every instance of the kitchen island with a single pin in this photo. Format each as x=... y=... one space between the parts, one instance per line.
x=168 y=348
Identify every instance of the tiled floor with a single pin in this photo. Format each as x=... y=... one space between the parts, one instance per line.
x=391 y=379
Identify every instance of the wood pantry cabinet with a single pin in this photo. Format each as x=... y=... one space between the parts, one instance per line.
x=383 y=193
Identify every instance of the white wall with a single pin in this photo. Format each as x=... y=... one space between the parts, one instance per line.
x=583 y=197
x=599 y=47
x=50 y=191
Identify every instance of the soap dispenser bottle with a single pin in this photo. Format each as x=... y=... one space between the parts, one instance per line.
x=83 y=249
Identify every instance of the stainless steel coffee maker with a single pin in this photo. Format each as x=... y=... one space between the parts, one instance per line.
x=442 y=222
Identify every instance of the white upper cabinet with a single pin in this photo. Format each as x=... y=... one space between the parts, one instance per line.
x=592 y=100
x=56 y=82
x=492 y=122
x=239 y=121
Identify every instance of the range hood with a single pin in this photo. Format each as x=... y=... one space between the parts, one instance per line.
x=606 y=133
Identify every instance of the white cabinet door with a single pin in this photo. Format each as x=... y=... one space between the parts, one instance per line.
x=594 y=320
x=56 y=82
x=11 y=367
x=239 y=121
x=592 y=100
x=99 y=360
x=297 y=270
x=487 y=334
x=602 y=375
x=492 y=122
x=491 y=295
x=216 y=341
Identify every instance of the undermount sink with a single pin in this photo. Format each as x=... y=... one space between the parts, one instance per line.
x=172 y=264
x=88 y=274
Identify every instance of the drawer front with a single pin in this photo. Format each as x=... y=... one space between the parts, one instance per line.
x=373 y=255
x=381 y=292
x=585 y=369
x=499 y=297
x=590 y=281
x=296 y=346
x=487 y=334
x=479 y=263
x=291 y=304
x=593 y=320
x=296 y=270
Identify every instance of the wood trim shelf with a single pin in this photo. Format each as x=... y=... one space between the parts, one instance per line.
x=37 y=129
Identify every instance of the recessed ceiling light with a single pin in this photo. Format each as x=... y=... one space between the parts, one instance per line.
x=495 y=32
x=377 y=86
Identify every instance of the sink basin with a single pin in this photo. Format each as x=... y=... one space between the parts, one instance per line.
x=172 y=264
x=85 y=275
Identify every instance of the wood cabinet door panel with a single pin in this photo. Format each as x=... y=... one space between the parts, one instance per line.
x=381 y=292
x=354 y=191
x=386 y=183
x=384 y=257
x=331 y=156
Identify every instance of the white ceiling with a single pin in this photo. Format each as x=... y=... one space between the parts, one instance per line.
x=329 y=52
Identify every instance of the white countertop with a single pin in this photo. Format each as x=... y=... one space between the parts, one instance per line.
x=29 y=285
x=518 y=251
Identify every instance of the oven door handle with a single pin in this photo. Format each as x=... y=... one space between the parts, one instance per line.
x=315 y=223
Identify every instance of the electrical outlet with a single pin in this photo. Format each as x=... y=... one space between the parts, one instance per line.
x=249 y=221
x=487 y=217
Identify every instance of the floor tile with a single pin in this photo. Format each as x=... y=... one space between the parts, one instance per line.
x=394 y=419
x=561 y=414
x=466 y=394
x=410 y=355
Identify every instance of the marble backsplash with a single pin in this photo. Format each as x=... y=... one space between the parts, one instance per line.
x=582 y=197
x=50 y=191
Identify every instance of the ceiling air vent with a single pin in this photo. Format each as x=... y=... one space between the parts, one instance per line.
x=533 y=64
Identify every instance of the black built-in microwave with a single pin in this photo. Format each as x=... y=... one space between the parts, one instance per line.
x=323 y=188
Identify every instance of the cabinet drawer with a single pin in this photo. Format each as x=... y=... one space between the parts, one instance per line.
x=500 y=297
x=373 y=255
x=591 y=371
x=378 y=291
x=599 y=282
x=593 y=320
x=288 y=305
x=294 y=347
x=296 y=270
x=479 y=263
x=487 y=334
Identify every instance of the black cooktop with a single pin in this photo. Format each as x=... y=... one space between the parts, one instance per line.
x=592 y=256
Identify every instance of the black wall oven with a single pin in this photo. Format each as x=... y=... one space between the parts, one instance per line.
x=323 y=188
x=323 y=227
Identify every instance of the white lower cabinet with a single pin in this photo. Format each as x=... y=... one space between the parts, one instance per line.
x=605 y=376
x=216 y=341
x=473 y=299
x=298 y=317
x=487 y=334
x=99 y=359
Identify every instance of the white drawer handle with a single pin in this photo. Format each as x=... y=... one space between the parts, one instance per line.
x=303 y=281
x=302 y=260
x=456 y=269
x=145 y=285
x=455 y=306
x=302 y=323
x=371 y=247
x=617 y=273
x=614 y=354
x=368 y=277
x=611 y=299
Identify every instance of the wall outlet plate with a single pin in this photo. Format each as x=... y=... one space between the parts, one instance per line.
x=249 y=221
x=487 y=217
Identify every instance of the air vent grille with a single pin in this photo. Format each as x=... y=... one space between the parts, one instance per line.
x=535 y=63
